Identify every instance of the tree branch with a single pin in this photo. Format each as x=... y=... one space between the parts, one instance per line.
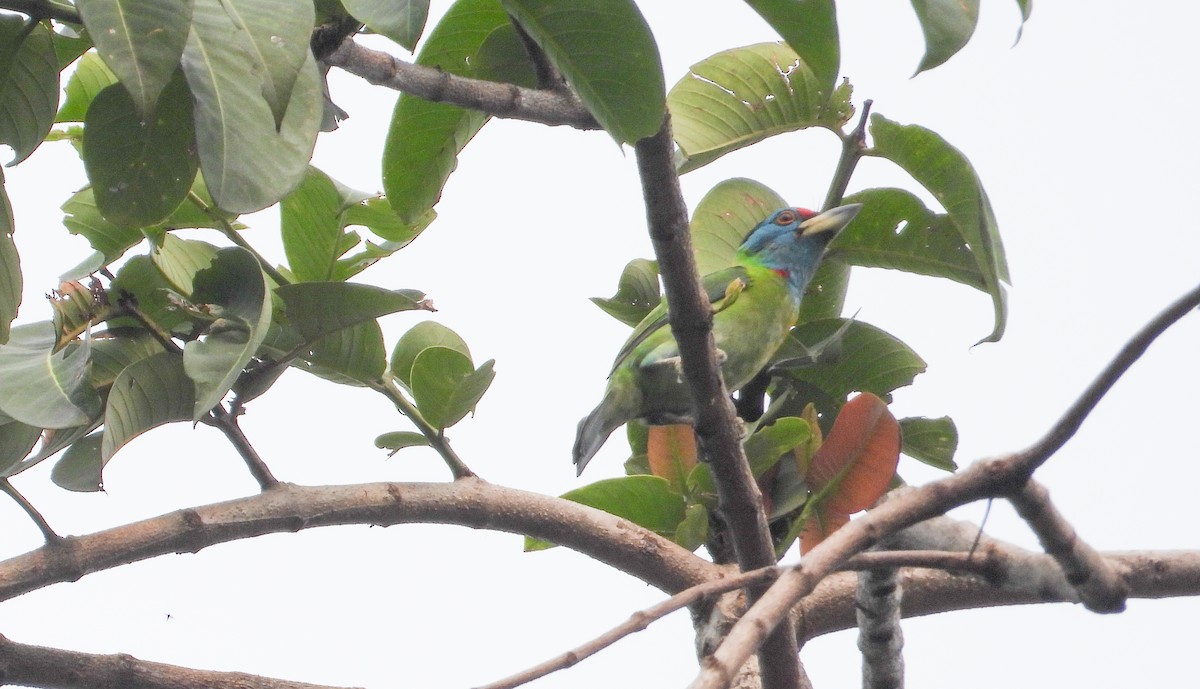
x=994 y=478
x=44 y=9
x=39 y=666
x=738 y=498
x=550 y=107
x=466 y=502
x=36 y=517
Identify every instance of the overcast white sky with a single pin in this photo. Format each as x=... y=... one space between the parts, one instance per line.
x=1082 y=136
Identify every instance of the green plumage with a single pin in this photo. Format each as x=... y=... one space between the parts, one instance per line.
x=755 y=304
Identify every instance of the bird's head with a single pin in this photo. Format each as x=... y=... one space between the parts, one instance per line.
x=792 y=240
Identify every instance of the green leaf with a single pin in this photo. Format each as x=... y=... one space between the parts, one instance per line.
x=895 y=230
x=869 y=360
x=764 y=448
x=725 y=217
x=140 y=167
x=139 y=279
x=16 y=441
x=141 y=42
x=946 y=173
x=149 y=393
x=180 y=260
x=42 y=387
x=350 y=356
x=424 y=138
x=117 y=350
x=275 y=35
x=11 y=280
x=91 y=76
x=947 y=25
x=398 y=440
x=444 y=386
x=376 y=215
x=28 y=84
x=637 y=293
x=693 y=530
x=606 y=52
x=932 y=441
x=316 y=309
x=236 y=292
x=69 y=45
x=810 y=29
x=419 y=337
x=400 y=20
x=247 y=163
x=81 y=467
x=310 y=223
x=1026 y=7
x=739 y=97
x=644 y=500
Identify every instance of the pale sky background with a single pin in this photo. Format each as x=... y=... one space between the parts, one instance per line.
x=1082 y=136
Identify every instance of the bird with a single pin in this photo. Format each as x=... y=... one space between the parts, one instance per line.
x=755 y=303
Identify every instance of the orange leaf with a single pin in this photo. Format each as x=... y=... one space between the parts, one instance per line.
x=858 y=457
x=671 y=451
x=818 y=527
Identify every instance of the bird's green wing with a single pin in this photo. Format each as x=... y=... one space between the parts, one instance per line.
x=722 y=287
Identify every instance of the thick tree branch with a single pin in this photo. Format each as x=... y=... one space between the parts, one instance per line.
x=994 y=478
x=738 y=498
x=551 y=107
x=39 y=666
x=44 y=9
x=467 y=502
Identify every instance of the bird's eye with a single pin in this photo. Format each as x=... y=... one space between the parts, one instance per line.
x=785 y=218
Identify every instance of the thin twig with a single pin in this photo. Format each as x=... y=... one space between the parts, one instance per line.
x=226 y=228
x=436 y=440
x=854 y=145
x=48 y=533
x=44 y=9
x=227 y=423
x=547 y=106
x=1099 y=586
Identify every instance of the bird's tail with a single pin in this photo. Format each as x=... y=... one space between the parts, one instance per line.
x=595 y=428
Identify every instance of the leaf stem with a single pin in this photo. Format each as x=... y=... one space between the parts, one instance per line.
x=227 y=424
x=227 y=229
x=436 y=439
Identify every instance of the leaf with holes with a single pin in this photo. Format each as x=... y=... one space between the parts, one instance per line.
x=810 y=28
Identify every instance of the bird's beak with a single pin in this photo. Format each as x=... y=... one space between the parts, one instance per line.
x=831 y=221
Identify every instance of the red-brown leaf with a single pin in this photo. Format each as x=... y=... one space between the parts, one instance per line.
x=671 y=451
x=859 y=456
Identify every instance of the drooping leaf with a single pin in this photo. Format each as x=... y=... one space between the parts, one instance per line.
x=81 y=467
x=11 y=280
x=377 y=215
x=424 y=138
x=140 y=280
x=141 y=42
x=895 y=230
x=1026 y=7
x=869 y=360
x=248 y=163
x=445 y=387
x=947 y=25
x=44 y=388
x=235 y=291
x=91 y=76
x=400 y=20
x=725 y=217
x=117 y=350
x=949 y=176
x=318 y=308
x=671 y=452
x=16 y=441
x=28 y=84
x=810 y=29
x=739 y=97
x=647 y=501
x=77 y=308
x=350 y=356
x=637 y=293
x=853 y=467
x=606 y=52
x=398 y=440
x=180 y=260
x=310 y=223
x=149 y=393
x=419 y=337
x=275 y=35
x=767 y=445
x=692 y=532
x=140 y=166
x=932 y=441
